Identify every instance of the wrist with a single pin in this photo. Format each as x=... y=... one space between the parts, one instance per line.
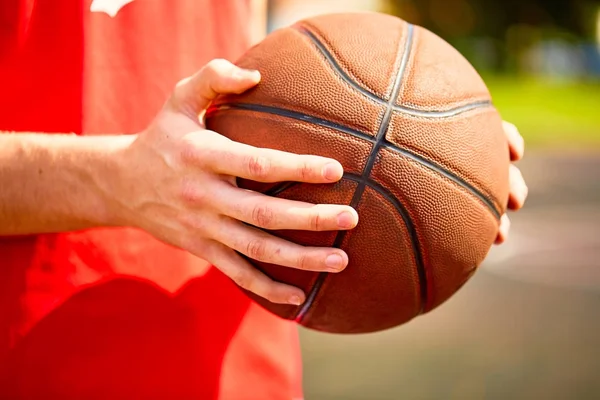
x=109 y=177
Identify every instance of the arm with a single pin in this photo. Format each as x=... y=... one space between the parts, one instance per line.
x=176 y=181
x=53 y=183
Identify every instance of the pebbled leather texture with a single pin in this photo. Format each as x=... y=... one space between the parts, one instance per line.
x=424 y=154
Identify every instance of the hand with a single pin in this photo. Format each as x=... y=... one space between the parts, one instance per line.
x=518 y=189
x=182 y=189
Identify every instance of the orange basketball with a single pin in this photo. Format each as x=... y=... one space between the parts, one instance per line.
x=424 y=155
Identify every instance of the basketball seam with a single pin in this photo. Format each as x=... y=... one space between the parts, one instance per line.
x=283 y=112
x=364 y=178
x=485 y=198
x=406 y=218
x=332 y=57
x=401 y=109
x=410 y=227
x=488 y=200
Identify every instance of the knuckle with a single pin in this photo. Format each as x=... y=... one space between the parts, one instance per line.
x=190 y=152
x=262 y=216
x=258 y=167
x=315 y=221
x=305 y=171
x=242 y=279
x=256 y=249
x=303 y=261
x=193 y=193
x=189 y=193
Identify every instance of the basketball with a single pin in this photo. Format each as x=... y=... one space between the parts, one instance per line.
x=424 y=154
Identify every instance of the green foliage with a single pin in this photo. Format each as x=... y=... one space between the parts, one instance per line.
x=549 y=114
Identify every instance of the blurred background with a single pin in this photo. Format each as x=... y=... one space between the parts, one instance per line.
x=527 y=326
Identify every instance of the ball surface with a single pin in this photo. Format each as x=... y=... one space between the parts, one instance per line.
x=424 y=155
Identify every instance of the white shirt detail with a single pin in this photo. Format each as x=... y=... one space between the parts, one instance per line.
x=110 y=7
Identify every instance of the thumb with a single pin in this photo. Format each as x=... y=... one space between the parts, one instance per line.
x=195 y=93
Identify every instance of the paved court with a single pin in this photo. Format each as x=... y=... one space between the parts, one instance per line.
x=526 y=327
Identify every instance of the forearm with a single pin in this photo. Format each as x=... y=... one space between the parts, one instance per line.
x=55 y=183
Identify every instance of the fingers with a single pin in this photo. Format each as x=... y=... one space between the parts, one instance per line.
x=518 y=189
x=194 y=94
x=516 y=198
x=503 y=230
x=516 y=144
x=276 y=214
x=261 y=246
x=227 y=157
x=249 y=278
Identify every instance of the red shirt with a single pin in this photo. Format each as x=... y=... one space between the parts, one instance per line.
x=113 y=313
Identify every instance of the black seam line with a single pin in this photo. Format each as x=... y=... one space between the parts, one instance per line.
x=444 y=172
x=401 y=109
x=445 y=113
x=358 y=192
x=290 y=114
x=280 y=188
x=410 y=227
x=488 y=202
x=408 y=223
x=387 y=117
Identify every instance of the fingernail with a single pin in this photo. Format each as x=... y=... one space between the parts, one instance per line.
x=332 y=172
x=345 y=220
x=241 y=73
x=524 y=190
x=518 y=198
x=295 y=300
x=504 y=228
x=253 y=73
x=521 y=195
x=334 y=262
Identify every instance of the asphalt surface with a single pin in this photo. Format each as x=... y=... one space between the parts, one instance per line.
x=527 y=325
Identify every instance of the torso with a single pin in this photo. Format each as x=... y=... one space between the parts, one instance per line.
x=114 y=313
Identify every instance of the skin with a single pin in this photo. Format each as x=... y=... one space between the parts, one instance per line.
x=518 y=188
x=177 y=181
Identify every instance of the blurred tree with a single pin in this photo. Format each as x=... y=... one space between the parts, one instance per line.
x=455 y=18
x=498 y=34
